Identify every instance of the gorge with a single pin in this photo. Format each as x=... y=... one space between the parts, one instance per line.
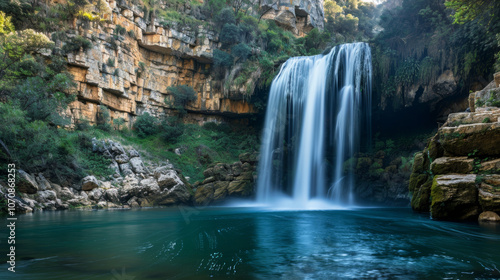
x=244 y=139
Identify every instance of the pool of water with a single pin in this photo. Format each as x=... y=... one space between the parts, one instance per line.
x=250 y=243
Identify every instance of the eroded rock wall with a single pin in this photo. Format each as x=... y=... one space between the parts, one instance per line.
x=130 y=72
x=457 y=176
x=299 y=16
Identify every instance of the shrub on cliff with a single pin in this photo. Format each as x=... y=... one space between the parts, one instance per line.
x=182 y=96
x=222 y=58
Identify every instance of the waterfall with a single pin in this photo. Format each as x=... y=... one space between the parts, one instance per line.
x=318 y=110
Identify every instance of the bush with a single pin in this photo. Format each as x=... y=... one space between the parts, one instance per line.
x=222 y=58
x=75 y=44
x=241 y=50
x=103 y=118
x=118 y=123
x=110 y=62
x=230 y=34
x=146 y=125
x=171 y=129
x=225 y=16
x=120 y=30
x=182 y=95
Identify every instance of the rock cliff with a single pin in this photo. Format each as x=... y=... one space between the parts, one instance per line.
x=299 y=16
x=456 y=176
x=132 y=61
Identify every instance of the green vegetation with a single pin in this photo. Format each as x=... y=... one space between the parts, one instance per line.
x=423 y=38
x=199 y=146
x=182 y=96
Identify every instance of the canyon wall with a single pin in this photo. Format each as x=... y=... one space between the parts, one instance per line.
x=130 y=72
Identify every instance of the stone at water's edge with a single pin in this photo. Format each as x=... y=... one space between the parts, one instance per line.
x=225 y=181
x=26 y=183
x=489 y=216
x=454 y=197
x=489 y=192
x=458 y=175
x=89 y=183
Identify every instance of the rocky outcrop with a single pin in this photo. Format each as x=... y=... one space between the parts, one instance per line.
x=224 y=181
x=134 y=184
x=455 y=177
x=133 y=61
x=299 y=16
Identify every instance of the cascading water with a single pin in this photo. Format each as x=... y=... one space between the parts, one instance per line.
x=318 y=108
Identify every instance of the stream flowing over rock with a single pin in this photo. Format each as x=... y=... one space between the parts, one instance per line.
x=456 y=177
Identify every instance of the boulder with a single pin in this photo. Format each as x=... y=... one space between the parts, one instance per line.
x=220 y=190
x=43 y=184
x=126 y=169
x=66 y=194
x=448 y=165
x=454 y=197
x=137 y=165
x=489 y=192
x=168 y=179
x=243 y=188
x=96 y=194
x=480 y=139
x=26 y=183
x=133 y=202
x=133 y=153
x=249 y=157
x=112 y=196
x=180 y=194
x=150 y=185
x=489 y=216
x=46 y=196
x=122 y=158
x=89 y=183
x=204 y=194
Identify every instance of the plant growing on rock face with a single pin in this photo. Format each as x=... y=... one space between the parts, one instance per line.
x=182 y=95
x=118 y=123
x=120 y=30
x=110 y=62
x=103 y=118
x=75 y=44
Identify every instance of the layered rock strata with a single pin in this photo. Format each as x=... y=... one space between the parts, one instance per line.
x=457 y=176
x=133 y=61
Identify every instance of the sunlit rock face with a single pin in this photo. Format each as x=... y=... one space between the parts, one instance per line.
x=456 y=176
x=130 y=72
x=299 y=16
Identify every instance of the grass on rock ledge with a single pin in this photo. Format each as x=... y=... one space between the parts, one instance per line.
x=199 y=146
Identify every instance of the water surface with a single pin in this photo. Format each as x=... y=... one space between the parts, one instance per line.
x=243 y=243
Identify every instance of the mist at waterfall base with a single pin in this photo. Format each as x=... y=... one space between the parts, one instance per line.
x=317 y=114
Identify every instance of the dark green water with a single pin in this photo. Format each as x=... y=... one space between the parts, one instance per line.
x=243 y=243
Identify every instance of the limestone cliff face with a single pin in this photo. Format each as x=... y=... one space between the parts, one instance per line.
x=129 y=72
x=299 y=16
x=456 y=176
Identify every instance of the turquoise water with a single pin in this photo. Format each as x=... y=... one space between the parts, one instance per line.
x=249 y=243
